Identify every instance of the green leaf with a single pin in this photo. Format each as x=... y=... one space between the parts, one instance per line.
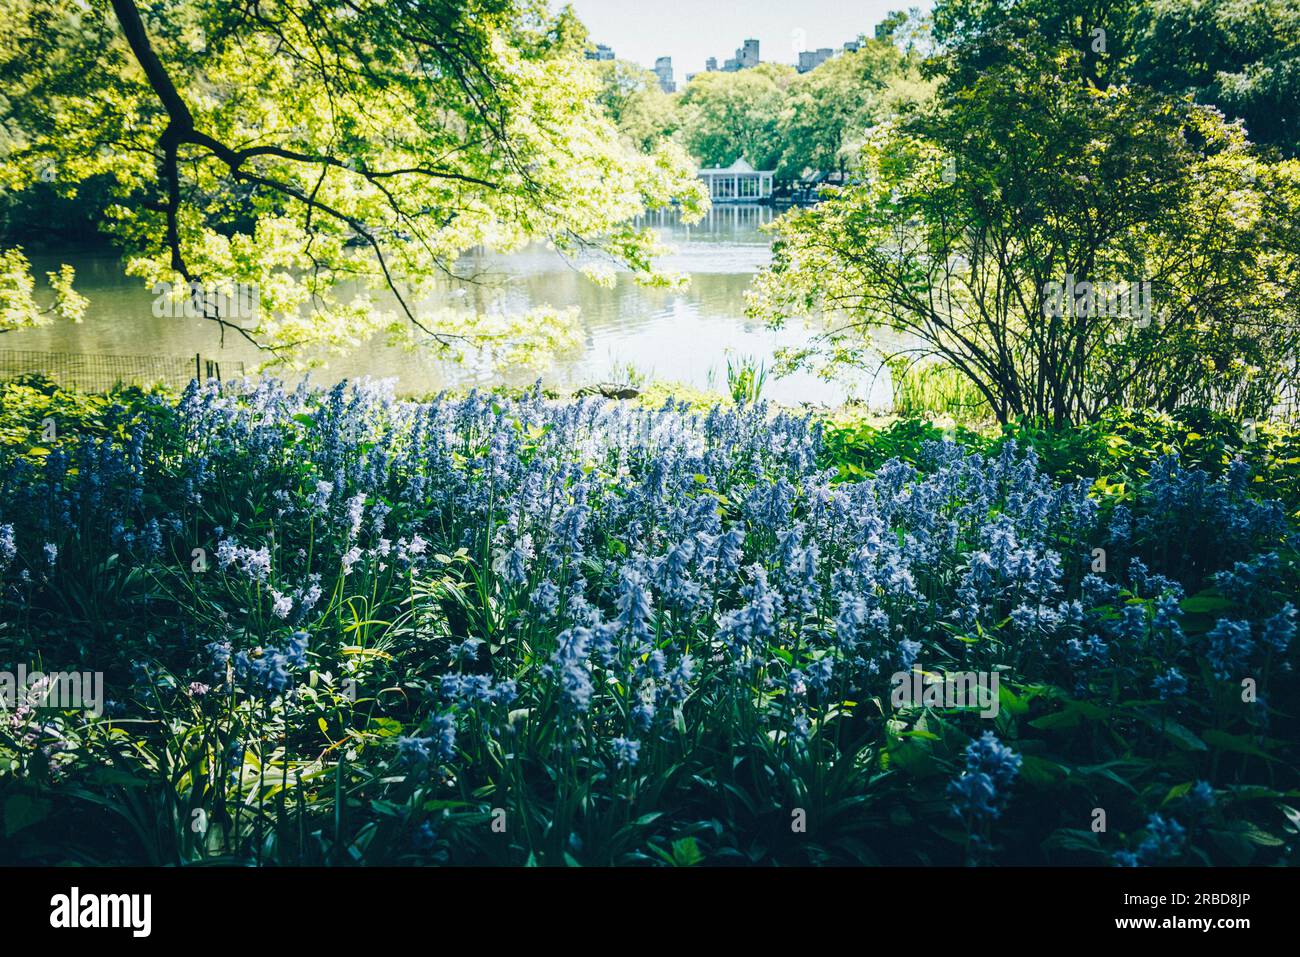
x=1237 y=743
x=1009 y=702
x=686 y=852
x=1074 y=839
x=1071 y=716
x=1040 y=771
x=385 y=727
x=1205 y=604
x=1183 y=736
x=1257 y=835
x=22 y=810
x=1176 y=792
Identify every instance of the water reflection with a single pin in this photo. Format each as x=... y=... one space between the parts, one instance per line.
x=682 y=335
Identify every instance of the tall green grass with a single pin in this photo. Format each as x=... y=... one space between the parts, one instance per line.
x=928 y=387
x=746 y=377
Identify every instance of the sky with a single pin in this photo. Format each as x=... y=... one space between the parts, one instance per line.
x=690 y=31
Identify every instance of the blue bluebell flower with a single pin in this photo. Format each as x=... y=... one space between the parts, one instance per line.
x=982 y=791
x=1164 y=842
x=626 y=751
x=1229 y=647
x=1201 y=796
x=1276 y=632
x=1171 y=684
x=908 y=651
x=8 y=547
x=571 y=661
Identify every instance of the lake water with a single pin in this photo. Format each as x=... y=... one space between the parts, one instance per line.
x=683 y=335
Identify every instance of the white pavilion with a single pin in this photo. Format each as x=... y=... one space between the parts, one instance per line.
x=738 y=183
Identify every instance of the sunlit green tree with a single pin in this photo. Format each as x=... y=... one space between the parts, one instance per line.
x=337 y=155
x=1242 y=56
x=729 y=115
x=830 y=110
x=632 y=97
x=961 y=219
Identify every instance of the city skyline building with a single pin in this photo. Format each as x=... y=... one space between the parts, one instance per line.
x=746 y=57
x=664 y=70
x=639 y=34
x=811 y=59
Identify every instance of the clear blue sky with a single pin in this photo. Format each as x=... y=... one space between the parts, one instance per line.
x=690 y=31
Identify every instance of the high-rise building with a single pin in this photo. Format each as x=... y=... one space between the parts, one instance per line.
x=811 y=59
x=601 y=52
x=746 y=57
x=711 y=65
x=664 y=70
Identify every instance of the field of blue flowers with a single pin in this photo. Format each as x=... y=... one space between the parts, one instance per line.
x=335 y=627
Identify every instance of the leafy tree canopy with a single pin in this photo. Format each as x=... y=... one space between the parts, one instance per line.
x=830 y=110
x=337 y=155
x=961 y=219
x=632 y=97
x=794 y=122
x=726 y=115
x=19 y=308
x=1242 y=56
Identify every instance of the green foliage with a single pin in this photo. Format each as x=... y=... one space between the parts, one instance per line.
x=1240 y=56
x=745 y=379
x=312 y=778
x=797 y=123
x=975 y=36
x=830 y=109
x=18 y=306
x=729 y=115
x=659 y=392
x=935 y=389
x=629 y=373
x=858 y=445
x=343 y=185
x=632 y=97
x=963 y=218
x=37 y=416
x=1243 y=57
x=1117 y=451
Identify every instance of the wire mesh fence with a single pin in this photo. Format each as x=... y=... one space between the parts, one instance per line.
x=96 y=373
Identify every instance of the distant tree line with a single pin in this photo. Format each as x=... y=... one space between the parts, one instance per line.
x=772 y=115
x=1240 y=56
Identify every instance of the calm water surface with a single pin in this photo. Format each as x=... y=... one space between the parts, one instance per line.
x=683 y=335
